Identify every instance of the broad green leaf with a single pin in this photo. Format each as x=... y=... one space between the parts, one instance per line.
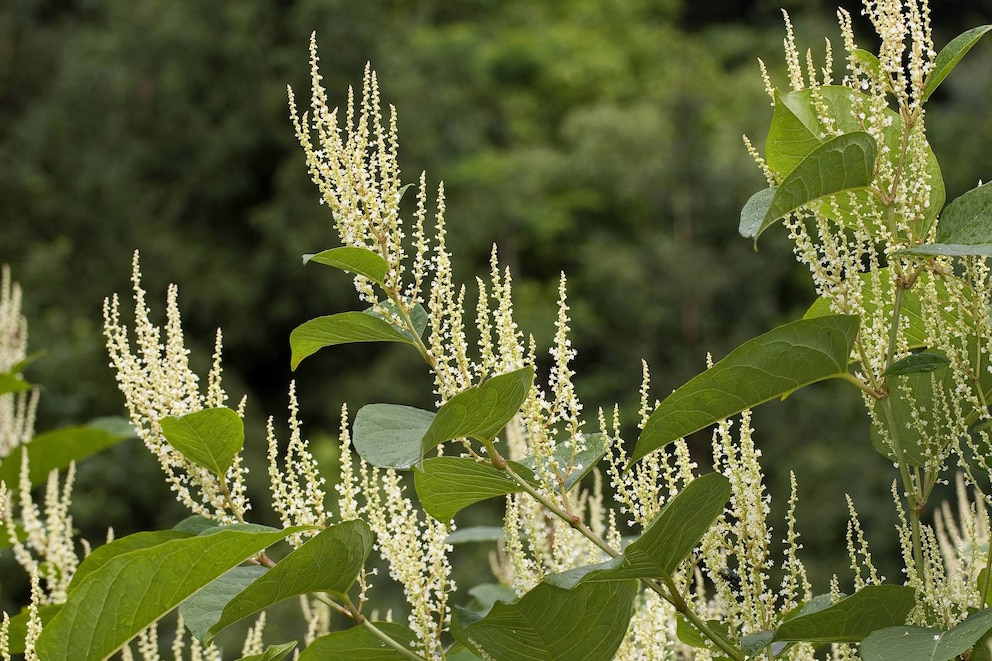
x=672 y=535
x=195 y=524
x=769 y=366
x=210 y=438
x=688 y=634
x=843 y=163
x=587 y=623
x=343 y=328
x=852 y=618
x=475 y=534
x=13 y=382
x=360 y=644
x=272 y=653
x=446 y=485
x=352 y=260
x=965 y=227
x=754 y=212
x=55 y=450
x=17 y=630
x=202 y=610
x=908 y=643
x=950 y=55
x=796 y=131
x=130 y=590
x=329 y=562
x=571 y=469
x=480 y=412
x=389 y=435
x=925 y=361
x=982 y=651
x=139 y=541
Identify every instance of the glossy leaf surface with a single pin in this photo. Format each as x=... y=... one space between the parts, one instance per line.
x=769 y=366
x=352 y=260
x=131 y=589
x=548 y=623
x=343 y=328
x=389 y=435
x=950 y=55
x=907 y=643
x=852 y=618
x=210 y=438
x=446 y=485
x=329 y=562
x=480 y=412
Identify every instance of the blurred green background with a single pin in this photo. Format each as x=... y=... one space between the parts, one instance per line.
x=596 y=137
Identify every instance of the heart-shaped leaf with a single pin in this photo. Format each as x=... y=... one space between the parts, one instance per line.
x=907 y=643
x=389 y=435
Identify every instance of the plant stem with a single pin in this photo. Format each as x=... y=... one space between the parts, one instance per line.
x=671 y=594
x=350 y=610
x=914 y=502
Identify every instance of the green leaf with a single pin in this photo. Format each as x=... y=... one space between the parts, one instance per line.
x=55 y=450
x=329 y=562
x=869 y=60
x=925 y=361
x=352 y=260
x=210 y=438
x=480 y=412
x=13 y=382
x=202 y=610
x=573 y=469
x=754 y=212
x=343 y=328
x=389 y=435
x=132 y=589
x=950 y=55
x=852 y=618
x=908 y=643
x=446 y=485
x=139 y=541
x=195 y=524
x=587 y=623
x=796 y=131
x=475 y=534
x=672 y=535
x=485 y=595
x=360 y=644
x=272 y=653
x=843 y=163
x=769 y=366
x=965 y=227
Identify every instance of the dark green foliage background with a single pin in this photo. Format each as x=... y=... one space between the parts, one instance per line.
x=596 y=137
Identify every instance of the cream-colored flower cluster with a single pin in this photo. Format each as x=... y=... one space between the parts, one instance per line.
x=41 y=537
x=157 y=382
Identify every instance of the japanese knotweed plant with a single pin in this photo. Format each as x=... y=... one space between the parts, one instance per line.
x=681 y=564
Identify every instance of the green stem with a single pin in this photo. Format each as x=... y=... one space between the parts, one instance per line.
x=671 y=594
x=914 y=501
x=350 y=610
x=682 y=607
